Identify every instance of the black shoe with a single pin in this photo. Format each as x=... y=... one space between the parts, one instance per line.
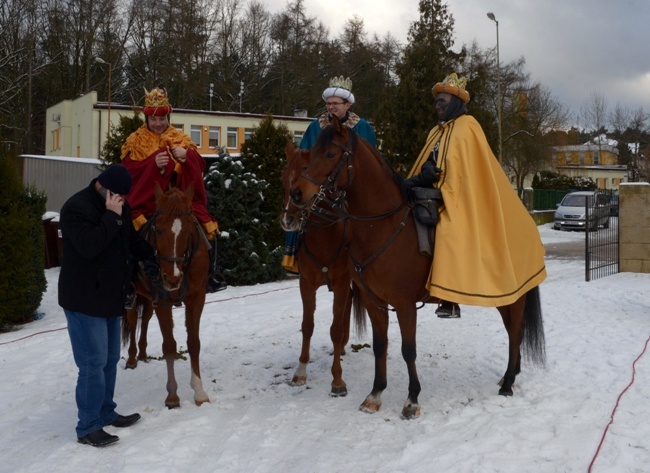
x=215 y=284
x=125 y=421
x=448 y=310
x=98 y=438
x=129 y=300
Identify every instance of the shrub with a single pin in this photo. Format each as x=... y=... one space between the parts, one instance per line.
x=22 y=246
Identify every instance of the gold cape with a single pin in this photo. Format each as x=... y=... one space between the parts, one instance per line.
x=488 y=251
x=143 y=142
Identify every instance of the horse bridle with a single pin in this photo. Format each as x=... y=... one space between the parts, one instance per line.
x=186 y=259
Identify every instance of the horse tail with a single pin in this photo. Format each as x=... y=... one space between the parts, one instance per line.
x=534 y=342
x=125 y=328
x=359 y=311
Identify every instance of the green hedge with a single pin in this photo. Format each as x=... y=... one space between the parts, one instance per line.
x=22 y=247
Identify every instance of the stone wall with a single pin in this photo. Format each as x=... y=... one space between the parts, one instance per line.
x=634 y=227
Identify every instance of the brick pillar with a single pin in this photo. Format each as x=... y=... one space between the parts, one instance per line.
x=634 y=227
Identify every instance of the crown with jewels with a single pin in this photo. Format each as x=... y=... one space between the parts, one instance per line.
x=340 y=87
x=453 y=85
x=341 y=82
x=156 y=102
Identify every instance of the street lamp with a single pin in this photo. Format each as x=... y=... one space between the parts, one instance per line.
x=491 y=16
x=101 y=61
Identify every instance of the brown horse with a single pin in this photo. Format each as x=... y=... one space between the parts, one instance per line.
x=323 y=260
x=182 y=251
x=385 y=258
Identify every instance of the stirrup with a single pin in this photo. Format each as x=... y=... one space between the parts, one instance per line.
x=448 y=310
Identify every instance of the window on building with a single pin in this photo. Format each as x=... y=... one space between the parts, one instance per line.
x=596 y=157
x=56 y=139
x=248 y=134
x=179 y=126
x=567 y=158
x=195 y=134
x=297 y=137
x=213 y=139
x=232 y=137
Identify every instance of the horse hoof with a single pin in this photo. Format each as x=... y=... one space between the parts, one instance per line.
x=505 y=392
x=410 y=411
x=368 y=409
x=199 y=402
x=299 y=381
x=131 y=365
x=339 y=391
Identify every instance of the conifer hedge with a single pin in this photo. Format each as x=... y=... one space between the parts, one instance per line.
x=22 y=247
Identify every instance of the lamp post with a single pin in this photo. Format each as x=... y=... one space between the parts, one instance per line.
x=101 y=61
x=241 y=93
x=491 y=16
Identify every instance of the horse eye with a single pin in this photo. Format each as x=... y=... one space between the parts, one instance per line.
x=330 y=155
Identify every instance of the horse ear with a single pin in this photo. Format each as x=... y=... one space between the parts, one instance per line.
x=289 y=149
x=305 y=157
x=337 y=124
x=189 y=191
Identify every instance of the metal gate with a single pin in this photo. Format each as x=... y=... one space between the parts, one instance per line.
x=602 y=237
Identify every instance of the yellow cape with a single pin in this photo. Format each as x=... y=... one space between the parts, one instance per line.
x=143 y=142
x=488 y=251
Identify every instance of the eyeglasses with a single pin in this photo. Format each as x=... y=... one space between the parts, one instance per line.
x=334 y=104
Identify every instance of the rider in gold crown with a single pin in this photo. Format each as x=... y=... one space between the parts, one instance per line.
x=158 y=152
x=488 y=251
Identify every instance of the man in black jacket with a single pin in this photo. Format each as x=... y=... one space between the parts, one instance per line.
x=99 y=249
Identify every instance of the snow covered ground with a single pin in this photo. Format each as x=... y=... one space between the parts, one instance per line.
x=596 y=335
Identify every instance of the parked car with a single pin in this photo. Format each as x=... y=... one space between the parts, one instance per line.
x=613 y=205
x=571 y=213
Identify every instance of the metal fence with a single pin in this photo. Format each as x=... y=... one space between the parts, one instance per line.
x=546 y=199
x=601 y=240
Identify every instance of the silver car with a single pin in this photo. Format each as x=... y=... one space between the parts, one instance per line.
x=571 y=213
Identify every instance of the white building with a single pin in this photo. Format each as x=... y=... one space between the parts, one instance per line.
x=79 y=127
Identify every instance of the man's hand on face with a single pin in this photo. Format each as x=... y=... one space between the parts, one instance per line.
x=114 y=202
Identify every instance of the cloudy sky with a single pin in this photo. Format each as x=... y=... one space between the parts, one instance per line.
x=573 y=47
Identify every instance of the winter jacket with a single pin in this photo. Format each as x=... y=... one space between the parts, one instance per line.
x=100 y=248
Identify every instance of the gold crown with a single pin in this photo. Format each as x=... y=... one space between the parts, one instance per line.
x=452 y=85
x=454 y=81
x=156 y=98
x=342 y=83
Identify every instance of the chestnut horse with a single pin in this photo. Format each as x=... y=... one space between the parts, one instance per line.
x=385 y=258
x=182 y=251
x=323 y=260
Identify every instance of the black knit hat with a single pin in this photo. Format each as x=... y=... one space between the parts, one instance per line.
x=116 y=179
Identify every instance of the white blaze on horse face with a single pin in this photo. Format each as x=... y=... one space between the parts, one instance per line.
x=177 y=226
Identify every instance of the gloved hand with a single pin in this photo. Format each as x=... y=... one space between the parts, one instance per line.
x=430 y=173
x=151 y=268
x=427 y=176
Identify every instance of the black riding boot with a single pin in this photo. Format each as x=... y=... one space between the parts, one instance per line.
x=216 y=281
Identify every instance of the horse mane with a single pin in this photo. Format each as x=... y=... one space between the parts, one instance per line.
x=327 y=135
x=174 y=202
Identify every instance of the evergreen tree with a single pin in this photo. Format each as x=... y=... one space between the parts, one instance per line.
x=22 y=244
x=235 y=197
x=113 y=146
x=265 y=157
x=408 y=112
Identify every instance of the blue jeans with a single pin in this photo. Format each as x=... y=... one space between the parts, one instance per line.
x=96 y=349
